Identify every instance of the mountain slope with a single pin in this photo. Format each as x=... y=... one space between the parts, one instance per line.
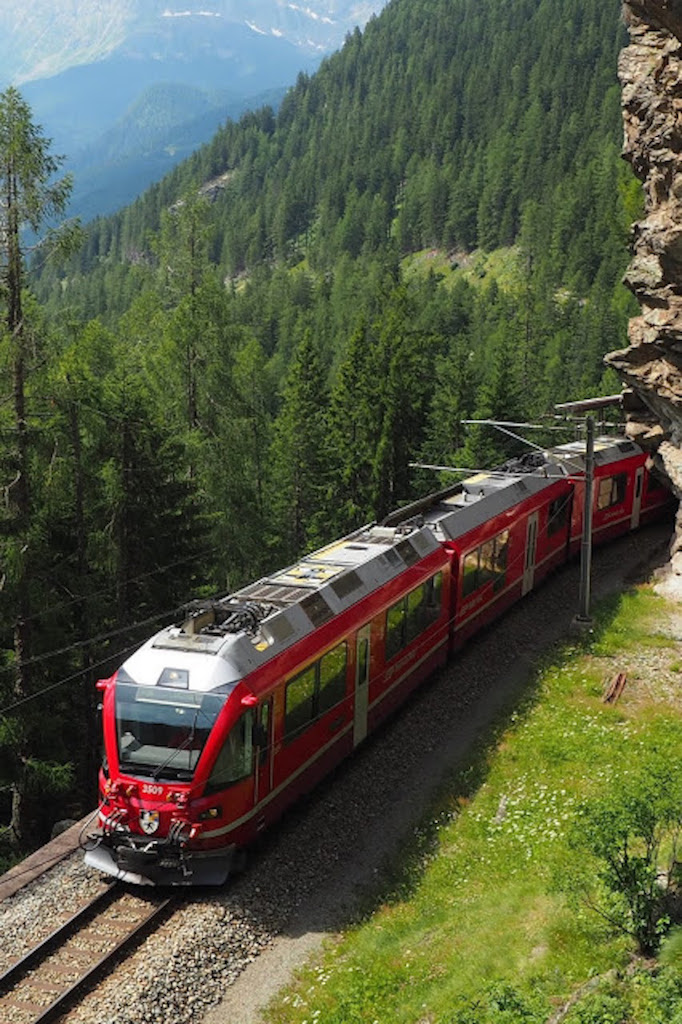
x=165 y=125
x=429 y=129
x=84 y=67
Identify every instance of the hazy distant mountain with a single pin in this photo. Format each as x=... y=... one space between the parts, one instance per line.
x=45 y=37
x=166 y=124
x=126 y=88
x=228 y=63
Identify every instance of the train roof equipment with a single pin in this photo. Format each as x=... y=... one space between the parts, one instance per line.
x=238 y=633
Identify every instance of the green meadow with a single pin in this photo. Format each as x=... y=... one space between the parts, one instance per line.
x=483 y=918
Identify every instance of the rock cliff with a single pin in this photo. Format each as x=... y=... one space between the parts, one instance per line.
x=651 y=76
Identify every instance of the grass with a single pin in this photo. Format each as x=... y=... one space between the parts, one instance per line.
x=471 y=926
x=477 y=268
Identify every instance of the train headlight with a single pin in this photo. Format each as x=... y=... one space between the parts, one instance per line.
x=211 y=813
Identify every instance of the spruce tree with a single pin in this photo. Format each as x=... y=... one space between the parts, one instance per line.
x=29 y=197
x=299 y=459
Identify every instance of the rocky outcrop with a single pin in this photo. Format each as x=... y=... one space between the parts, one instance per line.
x=650 y=71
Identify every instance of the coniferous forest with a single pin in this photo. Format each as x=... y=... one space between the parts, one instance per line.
x=244 y=362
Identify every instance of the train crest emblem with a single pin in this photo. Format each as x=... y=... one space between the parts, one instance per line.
x=149 y=822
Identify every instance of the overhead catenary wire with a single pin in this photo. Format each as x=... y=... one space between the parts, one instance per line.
x=527 y=426
x=496 y=473
x=67 y=679
x=105 y=590
x=5 y=669
x=130 y=627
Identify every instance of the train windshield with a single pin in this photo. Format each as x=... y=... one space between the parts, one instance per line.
x=162 y=732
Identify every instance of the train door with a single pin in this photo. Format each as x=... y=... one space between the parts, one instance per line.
x=531 y=552
x=637 y=498
x=262 y=741
x=362 y=662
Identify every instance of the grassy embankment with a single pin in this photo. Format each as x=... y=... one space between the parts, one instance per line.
x=474 y=926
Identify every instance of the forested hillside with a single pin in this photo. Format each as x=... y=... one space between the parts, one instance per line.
x=437 y=126
x=245 y=361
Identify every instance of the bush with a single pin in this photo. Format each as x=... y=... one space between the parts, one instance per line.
x=632 y=830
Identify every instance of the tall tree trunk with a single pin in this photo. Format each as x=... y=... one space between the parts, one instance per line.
x=89 y=763
x=20 y=498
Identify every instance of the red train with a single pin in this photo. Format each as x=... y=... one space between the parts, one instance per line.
x=216 y=724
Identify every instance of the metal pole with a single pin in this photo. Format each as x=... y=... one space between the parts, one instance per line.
x=586 y=545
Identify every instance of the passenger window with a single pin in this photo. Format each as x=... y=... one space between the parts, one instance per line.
x=410 y=616
x=612 y=491
x=432 y=595
x=501 y=552
x=620 y=484
x=434 y=588
x=414 y=621
x=321 y=687
x=235 y=760
x=300 y=698
x=470 y=573
x=332 y=678
x=557 y=517
x=500 y=559
x=395 y=623
x=363 y=662
x=486 y=564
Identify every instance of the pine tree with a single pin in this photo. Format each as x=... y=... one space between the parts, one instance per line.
x=354 y=431
x=299 y=452
x=183 y=261
x=29 y=197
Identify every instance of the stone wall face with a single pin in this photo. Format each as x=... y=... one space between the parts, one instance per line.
x=650 y=71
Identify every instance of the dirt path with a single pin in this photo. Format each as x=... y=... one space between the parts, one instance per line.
x=427 y=739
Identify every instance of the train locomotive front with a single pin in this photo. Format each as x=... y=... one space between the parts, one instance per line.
x=179 y=734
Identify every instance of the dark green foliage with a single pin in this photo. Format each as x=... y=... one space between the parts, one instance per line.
x=633 y=830
x=501 y=1004
x=437 y=126
x=299 y=457
x=654 y=997
x=244 y=362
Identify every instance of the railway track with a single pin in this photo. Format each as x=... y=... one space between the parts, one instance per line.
x=44 y=983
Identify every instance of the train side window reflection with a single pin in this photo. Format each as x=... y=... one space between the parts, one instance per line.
x=500 y=559
x=557 y=517
x=612 y=491
x=235 y=760
x=488 y=563
x=395 y=625
x=470 y=573
x=332 y=678
x=300 y=699
x=321 y=687
x=363 y=661
x=434 y=589
x=412 y=614
x=414 y=617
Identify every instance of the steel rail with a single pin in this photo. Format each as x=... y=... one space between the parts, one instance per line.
x=86 y=916
x=52 y=941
